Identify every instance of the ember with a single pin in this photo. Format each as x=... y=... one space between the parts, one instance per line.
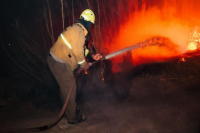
x=182 y=59
x=102 y=76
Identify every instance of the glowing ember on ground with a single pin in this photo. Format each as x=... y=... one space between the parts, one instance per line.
x=86 y=72
x=102 y=76
x=182 y=59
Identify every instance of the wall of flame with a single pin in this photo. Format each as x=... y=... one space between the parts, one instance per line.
x=129 y=22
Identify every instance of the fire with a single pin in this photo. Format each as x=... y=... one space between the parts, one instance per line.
x=102 y=76
x=171 y=22
x=86 y=72
x=182 y=59
x=194 y=39
x=192 y=46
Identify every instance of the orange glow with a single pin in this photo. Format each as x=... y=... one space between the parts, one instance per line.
x=192 y=46
x=86 y=72
x=151 y=53
x=102 y=76
x=171 y=21
x=182 y=59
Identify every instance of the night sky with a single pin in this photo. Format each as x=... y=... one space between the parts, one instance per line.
x=29 y=14
x=22 y=10
x=12 y=11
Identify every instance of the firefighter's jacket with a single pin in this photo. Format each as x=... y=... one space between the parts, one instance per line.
x=69 y=46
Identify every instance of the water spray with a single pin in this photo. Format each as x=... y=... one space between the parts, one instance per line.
x=138 y=45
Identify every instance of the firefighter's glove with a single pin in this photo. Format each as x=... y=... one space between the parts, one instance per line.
x=97 y=57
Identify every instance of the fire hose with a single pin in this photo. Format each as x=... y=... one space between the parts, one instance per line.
x=42 y=128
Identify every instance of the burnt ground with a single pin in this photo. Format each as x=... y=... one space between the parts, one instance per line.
x=162 y=97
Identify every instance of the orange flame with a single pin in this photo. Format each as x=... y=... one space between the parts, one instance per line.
x=182 y=59
x=192 y=46
x=154 y=22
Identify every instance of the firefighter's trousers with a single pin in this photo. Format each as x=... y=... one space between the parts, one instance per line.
x=64 y=76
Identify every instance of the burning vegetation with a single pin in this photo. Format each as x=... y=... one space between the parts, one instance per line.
x=167 y=23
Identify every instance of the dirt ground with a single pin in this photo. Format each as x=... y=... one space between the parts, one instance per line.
x=155 y=103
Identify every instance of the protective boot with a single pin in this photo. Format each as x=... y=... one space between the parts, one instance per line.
x=79 y=119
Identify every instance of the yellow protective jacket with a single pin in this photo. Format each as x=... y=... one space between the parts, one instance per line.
x=75 y=36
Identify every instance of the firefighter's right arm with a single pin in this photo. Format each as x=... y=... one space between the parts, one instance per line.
x=91 y=57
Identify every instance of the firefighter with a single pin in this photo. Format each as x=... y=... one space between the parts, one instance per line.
x=66 y=55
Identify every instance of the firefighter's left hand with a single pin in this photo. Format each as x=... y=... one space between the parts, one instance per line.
x=97 y=57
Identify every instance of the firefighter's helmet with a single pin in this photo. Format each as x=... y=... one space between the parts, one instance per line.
x=88 y=15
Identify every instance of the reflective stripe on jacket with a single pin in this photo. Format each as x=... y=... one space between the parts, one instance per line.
x=69 y=46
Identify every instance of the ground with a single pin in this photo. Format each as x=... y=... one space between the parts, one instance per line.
x=165 y=101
